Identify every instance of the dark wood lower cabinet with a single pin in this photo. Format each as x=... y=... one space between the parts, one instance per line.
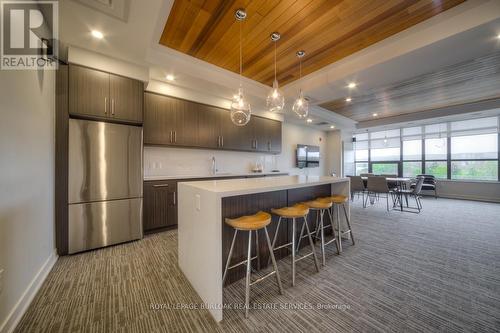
x=160 y=201
x=159 y=211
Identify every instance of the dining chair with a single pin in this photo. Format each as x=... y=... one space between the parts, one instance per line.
x=376 y=186
x=413 y=192
x=357 y=187
x=430 y=184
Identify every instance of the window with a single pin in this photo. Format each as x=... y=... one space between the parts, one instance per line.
x=436 y=149
x=438 y=169
x=412 y=169
x=412 y=150
x=385 y=168
x=462 y=150
x=474 y=149
x=361 y=168
x=385 y=154
x=474 y=170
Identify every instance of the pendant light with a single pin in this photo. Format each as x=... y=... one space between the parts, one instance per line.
x=301 y=105
x=275 y=99
x=240 y=107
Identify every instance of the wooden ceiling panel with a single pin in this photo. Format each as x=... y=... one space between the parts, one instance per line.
x=328 y=30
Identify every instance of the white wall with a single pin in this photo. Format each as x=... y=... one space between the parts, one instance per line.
x=27 y=248
x=163 y=161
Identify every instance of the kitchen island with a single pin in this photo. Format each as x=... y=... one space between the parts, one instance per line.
x=204 y=239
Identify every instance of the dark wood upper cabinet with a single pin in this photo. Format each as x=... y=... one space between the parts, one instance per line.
x=210 y=127
x=275 y=132
x=88 y=92
x=126 y=98
x=97 y=94
x=175 y=122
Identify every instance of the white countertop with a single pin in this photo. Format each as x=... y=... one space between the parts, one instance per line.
x=231 y=187
x=219 y=175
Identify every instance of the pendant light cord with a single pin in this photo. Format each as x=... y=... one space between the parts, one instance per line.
x=275 y=60
x=241 y=57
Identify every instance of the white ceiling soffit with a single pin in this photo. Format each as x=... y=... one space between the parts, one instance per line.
x=115 y=8
x=455 y=117
x=422 y=48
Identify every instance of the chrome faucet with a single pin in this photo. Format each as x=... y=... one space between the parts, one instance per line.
x=214 y=166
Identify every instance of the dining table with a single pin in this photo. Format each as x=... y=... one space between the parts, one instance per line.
x=400 y=183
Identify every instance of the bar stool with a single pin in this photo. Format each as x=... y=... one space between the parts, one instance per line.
x=337 y=202
x=251 y=223
x=295 y=212
x=321 y=206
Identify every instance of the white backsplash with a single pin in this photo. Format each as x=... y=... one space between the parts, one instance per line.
x=166 y=161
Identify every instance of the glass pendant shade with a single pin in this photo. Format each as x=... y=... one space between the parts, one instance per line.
x=275 y=99
x=301 y=106
x=240 y=109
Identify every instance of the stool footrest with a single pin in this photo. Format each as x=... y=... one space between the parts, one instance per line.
x=282 y=246
x=241 y=263
x=303 y=257
x=262 y=278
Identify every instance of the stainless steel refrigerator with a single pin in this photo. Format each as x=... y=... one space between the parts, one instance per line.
x=105 y=184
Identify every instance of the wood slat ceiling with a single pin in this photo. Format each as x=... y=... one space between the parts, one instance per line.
x=467 y=82
x=328 y=30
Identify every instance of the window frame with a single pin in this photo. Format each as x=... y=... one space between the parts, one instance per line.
x=448 y=135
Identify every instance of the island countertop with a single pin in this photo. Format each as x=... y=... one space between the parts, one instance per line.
x=204 y=238
x=232 y=187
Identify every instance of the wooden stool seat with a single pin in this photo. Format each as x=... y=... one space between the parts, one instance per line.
x=318 y=204
x=297 y=210
x=336 y=199
x=251 y=222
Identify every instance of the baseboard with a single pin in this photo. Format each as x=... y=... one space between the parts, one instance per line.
x=22 y=304
x=469 y=197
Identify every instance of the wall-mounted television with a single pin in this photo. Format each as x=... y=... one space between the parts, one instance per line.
x=307 y=156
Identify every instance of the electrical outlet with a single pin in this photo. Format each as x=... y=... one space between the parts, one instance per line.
x=1 y=280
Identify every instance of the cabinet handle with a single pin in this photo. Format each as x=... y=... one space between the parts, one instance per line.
x=175 y=201
x=171 y=136
x=113 y=106
x=256 y=144
x=222 y=140
x=218 y=141
x=175 y=136
x=161 y=185
x=105 y=105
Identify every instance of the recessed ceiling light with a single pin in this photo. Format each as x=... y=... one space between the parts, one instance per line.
x=375 y=114
x=97 y=34
x=348 y=99
x=351 y=85
x=170 y=77
x=309 y=120
x=332 y=127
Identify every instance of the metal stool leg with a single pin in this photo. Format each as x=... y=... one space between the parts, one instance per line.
x=257 y=252
x=348 y=224
x=339 y=234
x=275 y=237
x=293 y=251
x=300 y=237
x=312 y=244
x=229 y=256
x=247 y=282
x=332 y=223
x=322 y=231
x=271 y=254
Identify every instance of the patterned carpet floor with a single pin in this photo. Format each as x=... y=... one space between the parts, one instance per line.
x=438 y=271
